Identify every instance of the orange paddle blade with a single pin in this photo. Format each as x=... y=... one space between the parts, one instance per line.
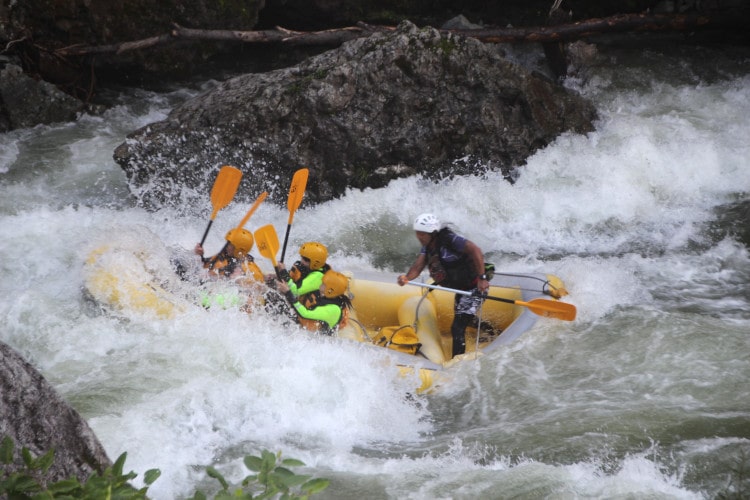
x=225 y=186
x=296 y=191
x=267 y=242
x=550 y=308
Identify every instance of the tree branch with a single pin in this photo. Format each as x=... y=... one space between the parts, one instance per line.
x=333 y=37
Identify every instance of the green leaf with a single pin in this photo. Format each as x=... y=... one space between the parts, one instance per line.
x=119 y=464
x=266 y=494
x=46 y=460
x=253 y=463
x=315 y=485
x=199 y=495
x=64 y=486
x=252 y=478
x=46 y=495
x=292 y=462
x=151 y=475
x=25 y=484
x=290 y=481
x=217 y=475
x=283 y=471
x=269 y=460
x=28 y=460
x=6 y=450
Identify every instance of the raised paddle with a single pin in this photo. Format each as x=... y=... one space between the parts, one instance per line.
x=267 y=242
x=225 y=186
x=296 y=192
x=542 y=307
x=249 y=213
x=262 y=196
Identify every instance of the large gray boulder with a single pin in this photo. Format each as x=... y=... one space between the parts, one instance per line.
x=391 y=105
x=26 y=102
x=36 y=417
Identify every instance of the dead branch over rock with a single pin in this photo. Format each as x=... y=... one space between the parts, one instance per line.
x=562 y=32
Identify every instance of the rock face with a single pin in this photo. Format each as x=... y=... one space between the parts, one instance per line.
x=36 y=417
x=25 y=102
x=391 y=105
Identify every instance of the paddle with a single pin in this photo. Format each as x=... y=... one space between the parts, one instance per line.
x=225 y=186
x=267 y=242
x=262 y=196
x=542 y=307
x=296 y=192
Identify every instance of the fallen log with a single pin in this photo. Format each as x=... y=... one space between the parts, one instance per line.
x=561 y=32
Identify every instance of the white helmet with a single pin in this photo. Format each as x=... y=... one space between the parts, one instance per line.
x=427 y=223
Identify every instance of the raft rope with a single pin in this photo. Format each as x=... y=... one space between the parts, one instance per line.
x=363 y=329
x=419 y=304
x=416 y=319
x=546 y=285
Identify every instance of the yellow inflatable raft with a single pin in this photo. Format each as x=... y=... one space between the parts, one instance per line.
x=412 y=322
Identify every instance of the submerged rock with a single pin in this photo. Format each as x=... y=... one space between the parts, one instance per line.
x=395 y=104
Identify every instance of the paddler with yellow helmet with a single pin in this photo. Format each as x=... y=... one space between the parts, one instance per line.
x=234 y=260
x=330 y=306
x=306 y=275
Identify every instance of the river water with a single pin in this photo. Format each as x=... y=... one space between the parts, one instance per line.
x=644 y=395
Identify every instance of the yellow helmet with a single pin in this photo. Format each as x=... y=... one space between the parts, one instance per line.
x=242 y=239
x=335 y=284
x=315 y=252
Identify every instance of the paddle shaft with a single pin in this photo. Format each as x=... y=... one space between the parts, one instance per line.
x=247 y=216
x=205 y=233
x=262 y=196
x=542 y=307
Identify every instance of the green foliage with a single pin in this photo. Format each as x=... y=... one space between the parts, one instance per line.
x=271 y=478
x=29 y=481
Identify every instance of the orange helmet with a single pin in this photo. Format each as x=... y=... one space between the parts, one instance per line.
x=335 y=284
x=242 y=239
x=315 y=252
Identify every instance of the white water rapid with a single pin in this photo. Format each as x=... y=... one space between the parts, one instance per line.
x=644 y=395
